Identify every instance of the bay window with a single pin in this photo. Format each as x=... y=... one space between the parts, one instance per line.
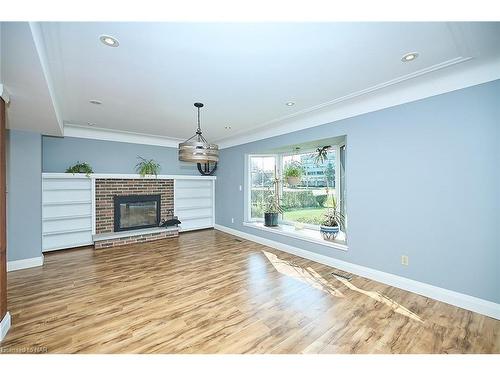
x=307 y=195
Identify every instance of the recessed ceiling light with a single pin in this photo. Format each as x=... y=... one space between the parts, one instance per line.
x=409 y=57
x=95 y=101
x=290 y=104
x=109 y=41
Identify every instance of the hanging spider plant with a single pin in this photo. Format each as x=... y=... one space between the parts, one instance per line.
x=322 y=154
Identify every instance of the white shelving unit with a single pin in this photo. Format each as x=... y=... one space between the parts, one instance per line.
x=66 y=212
x=68 y=206
x=194 y=203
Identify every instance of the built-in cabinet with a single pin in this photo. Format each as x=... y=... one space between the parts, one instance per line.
x=66 y=212
x=68 y=206
x=194 y=203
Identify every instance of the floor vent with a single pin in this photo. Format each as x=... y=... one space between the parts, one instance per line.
x=237 y=240
x=342 y=274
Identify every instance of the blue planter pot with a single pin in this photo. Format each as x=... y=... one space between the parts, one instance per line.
x=271 y=219
x=329 y=233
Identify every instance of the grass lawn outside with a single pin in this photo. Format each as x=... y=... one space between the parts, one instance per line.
x=306 y=215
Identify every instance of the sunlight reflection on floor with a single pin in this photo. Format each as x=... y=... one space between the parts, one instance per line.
x=308 y=276
x=311 y=277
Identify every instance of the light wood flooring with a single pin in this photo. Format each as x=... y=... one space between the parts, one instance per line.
x=210 y=292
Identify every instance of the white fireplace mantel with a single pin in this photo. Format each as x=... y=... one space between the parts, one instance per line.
x=127 y=176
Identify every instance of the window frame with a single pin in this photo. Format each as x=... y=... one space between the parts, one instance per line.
x=279 y=167
x=248 y=185
x=308 y=151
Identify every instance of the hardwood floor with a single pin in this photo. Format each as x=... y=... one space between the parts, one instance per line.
x=210 y=292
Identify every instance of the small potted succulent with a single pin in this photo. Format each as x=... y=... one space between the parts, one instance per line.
x=333 y=220
x=272 y=210
x=293 y=173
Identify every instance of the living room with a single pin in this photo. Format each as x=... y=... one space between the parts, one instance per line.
x=249 y=187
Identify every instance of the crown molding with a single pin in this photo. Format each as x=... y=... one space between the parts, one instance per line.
x=460 y=73
x=79 y=131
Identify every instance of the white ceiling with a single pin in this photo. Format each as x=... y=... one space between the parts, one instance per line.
x=31 y=106
x=244 y=73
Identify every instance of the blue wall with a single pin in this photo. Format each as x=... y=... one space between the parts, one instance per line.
x=108 y=156
x=24 y=195
x=423 y=179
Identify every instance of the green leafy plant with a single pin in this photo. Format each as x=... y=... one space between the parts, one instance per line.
x=147 y=167
x=293 y=169
x=333 y=217
x=321 y=199
x=321 y=154
x=273 y=204
x=80 y=168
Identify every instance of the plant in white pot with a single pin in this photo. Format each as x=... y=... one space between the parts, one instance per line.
x=333 y=220
x=293 y=173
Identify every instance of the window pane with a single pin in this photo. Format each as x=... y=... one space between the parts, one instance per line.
x=261 y=175
x=307 y=201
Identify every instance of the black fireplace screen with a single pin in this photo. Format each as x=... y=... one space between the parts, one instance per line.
x=136 y=211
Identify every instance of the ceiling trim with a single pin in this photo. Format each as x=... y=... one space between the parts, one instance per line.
x=470 y=73
x=368 y=90
x=79 y=131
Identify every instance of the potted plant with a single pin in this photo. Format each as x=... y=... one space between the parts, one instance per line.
x=147 y=167
x=272 y=210
x=333 y=220
x=80 y=168
x=293 y=173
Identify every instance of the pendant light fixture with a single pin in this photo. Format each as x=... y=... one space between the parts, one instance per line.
x=197 y=150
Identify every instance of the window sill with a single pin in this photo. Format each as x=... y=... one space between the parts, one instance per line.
x=302 y=234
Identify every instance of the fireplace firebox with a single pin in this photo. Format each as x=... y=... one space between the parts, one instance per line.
x=136 y=211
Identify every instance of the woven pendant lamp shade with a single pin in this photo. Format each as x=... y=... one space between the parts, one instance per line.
x=196 y=149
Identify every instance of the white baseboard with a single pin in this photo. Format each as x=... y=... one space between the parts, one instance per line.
x=464 y=301
x=4 y=326
x=24 y=263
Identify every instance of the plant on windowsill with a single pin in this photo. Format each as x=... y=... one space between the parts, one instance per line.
x=273 y=206
x=293 y=173
x=147 y=167
x=80 y=168
x=333 y=220
x=272 y=210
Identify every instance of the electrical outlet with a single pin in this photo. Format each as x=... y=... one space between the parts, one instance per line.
x=241 y=188
x=404 y=260
x=232 y=220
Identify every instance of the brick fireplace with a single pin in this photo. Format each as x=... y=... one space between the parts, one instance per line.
x=107 y=191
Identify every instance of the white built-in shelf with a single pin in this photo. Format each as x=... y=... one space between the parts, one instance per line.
x=48 y=175
x=66 y=203
x=55 y=232
x=67 y=217
x=197 y=197
x=186 y=208
x=66 y=212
